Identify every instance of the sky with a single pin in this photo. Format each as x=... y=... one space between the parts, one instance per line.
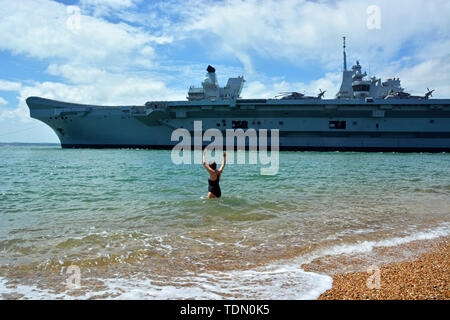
x=127 y=52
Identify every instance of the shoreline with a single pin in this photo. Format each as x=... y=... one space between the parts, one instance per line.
x=423 y=273
x=423 y=276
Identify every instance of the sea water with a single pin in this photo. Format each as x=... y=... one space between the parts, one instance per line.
x=134 y=225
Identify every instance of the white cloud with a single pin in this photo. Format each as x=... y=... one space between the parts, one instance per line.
x=96 y=63
x=107 y=7
x=9 y=85
x=3 y=102
x=428 y=68
x=39 y=29
x=270 y=89
x=120 y=63
x=91 y=86
x=76 y=73
x=307 y=31
x=112 y=89
x=13 y=130
x=433 y=74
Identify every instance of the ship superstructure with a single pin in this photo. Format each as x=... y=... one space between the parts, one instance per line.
x=367 y=114
x=211 y=90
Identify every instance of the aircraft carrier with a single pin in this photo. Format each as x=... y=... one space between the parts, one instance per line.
x=367 y=114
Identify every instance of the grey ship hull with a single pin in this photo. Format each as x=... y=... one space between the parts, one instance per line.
x=410 y=125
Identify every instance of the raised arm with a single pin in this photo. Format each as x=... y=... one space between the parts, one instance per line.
x=207 y=167
x=224 y=161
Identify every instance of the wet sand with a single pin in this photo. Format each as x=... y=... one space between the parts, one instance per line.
x=425 y=276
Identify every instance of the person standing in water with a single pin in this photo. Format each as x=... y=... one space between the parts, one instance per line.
x=214 y=176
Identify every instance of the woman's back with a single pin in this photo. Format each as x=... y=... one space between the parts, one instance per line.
x=213 y=185
x=214 y=176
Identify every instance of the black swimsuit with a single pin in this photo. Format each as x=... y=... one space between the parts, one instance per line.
x=214 y=187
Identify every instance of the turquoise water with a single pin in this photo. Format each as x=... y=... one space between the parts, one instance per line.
x=139 y=226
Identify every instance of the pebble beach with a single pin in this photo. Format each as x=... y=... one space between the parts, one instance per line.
x=425 y=277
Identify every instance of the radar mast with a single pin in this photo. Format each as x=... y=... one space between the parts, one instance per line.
x=345 y=57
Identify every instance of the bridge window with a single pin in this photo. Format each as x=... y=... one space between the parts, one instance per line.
x=361 y=87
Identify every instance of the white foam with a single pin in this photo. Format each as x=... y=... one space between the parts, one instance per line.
x=272 y=282
x=367 y=246
x=25 y=292
x=281 y=280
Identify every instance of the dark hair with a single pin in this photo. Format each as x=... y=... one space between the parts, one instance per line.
x=213 y=165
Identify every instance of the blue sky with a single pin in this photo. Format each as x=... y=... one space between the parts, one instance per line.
x=131 y=51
